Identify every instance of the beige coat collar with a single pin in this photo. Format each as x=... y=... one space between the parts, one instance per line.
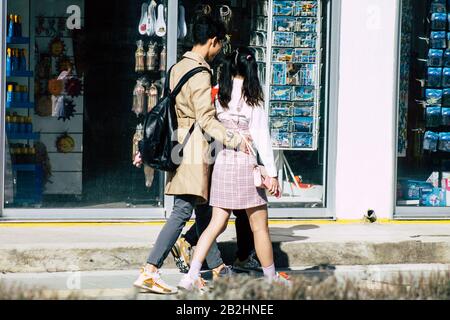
x=196 y=57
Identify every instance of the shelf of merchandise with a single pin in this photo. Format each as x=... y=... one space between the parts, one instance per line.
x=29 y=176
x=19 y=105
x=17 y=40
x=20 y=74
x=24 y=167
x=23 y=136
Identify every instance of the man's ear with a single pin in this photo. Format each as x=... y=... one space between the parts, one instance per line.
x=214 y=41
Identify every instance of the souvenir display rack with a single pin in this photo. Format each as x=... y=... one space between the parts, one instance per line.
x=404 y=72
x=294 y=77
x=150 y=69
x=287 y=40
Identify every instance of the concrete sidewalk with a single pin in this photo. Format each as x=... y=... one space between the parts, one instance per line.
x=44 y=247
x=117 y=284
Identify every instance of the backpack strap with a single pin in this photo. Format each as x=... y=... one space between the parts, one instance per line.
x=167 y=82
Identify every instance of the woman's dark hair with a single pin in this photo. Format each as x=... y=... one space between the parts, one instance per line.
x=240 y=62
x=205 y=28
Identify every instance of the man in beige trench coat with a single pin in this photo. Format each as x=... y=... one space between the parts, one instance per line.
x=191 y=182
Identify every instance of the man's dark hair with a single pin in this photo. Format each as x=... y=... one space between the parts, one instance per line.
x=205 y=28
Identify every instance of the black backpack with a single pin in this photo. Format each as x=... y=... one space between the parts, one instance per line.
x=160 y=125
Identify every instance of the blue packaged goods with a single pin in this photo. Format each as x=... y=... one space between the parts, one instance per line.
x=439 y=21
x=445 y=118
x=302 y=140
x=305 y=40
x=302 y=124
x=305 y=25
x=281 y=139
x=446 y=97
x=432 y=197
x=444 y=141
x=283 y=39
x=280 y=93
x=435 y=57
x=305 y=94
x=279 y=73
x=304 y=55
x=11 y=26
x=305 y=8
x=284 y=23
x=435 y=77
x=433 y=116
x=302 y=111
x=447 y=58
x=446 y=77
x=430 y=141
x=280 y=109
x=283 y=8
x=410 y=189
x=283 y=54
x=280 y=124
x=438 y=40
x=433 y=96
x=438 y=7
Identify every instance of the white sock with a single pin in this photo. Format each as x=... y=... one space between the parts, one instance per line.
x=194 y=270
x=269 y=271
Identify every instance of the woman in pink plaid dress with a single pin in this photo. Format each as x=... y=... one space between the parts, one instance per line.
x=240 y=108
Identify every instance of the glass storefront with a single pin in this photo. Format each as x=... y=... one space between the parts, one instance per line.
x=289 y=39
x=81 y=75
x=69 y=121
x=423 y=161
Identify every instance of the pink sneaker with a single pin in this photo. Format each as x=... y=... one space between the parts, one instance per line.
x=189 y=284
x=282 y=278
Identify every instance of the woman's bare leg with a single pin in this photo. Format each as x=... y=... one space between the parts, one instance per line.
x=217 y=225
x=258 y=218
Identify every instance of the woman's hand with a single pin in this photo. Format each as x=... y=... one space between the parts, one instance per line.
x=274 y=186
x=137 y=160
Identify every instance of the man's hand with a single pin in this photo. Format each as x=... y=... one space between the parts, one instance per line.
x=245 y=147
x=138 y=160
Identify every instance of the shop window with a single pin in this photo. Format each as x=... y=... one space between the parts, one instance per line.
x=290 y=44
x=423 y=168
x=71 y=139
x=75 y=99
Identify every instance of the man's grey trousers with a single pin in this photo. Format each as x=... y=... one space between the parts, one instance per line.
x=183 y=208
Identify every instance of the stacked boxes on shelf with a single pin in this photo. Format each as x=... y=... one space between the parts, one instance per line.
x=436 y=118
x=437 y=88
x=295 y=72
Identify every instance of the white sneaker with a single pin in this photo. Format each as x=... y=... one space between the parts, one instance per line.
x=189 y=284
x=152 y=281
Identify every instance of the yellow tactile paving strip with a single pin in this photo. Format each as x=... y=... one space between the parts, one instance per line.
x=46 y=224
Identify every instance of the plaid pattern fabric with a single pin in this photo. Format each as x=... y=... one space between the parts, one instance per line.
x=232 y=185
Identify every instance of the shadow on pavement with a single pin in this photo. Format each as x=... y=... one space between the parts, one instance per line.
x=278 y=235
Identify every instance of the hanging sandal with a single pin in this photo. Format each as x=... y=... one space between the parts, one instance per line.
x=144 y=19
x=182 y=27
x=160 y=26
x=151 y=18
